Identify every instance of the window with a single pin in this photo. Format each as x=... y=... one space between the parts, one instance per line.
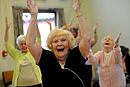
x=44 y=27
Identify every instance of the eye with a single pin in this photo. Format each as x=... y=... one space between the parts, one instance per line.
x=55 y=41
x=21 y=44
x=63 y=40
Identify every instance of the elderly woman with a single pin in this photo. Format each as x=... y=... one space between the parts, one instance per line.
x=110 y=69
x=26 y=72
x=62 y=65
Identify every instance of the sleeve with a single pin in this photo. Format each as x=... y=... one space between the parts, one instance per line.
x=38 y=40
x=117 y=54
x=94 y=59
x=10 y=49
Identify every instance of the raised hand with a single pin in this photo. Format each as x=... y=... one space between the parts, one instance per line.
x=68 y=26
x=7 y=24
x=95 y=27
x=77 y=5
x=117 y=40
x=32 y=7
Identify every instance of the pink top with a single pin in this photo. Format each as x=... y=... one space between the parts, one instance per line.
x=112 y=74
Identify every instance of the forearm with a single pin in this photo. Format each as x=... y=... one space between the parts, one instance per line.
x=50 y=27
x=117 y=55
x=83 y=26
x=32 y=29
x=63 y=27
x=94 y=40
x=6 y=35
x=85 y=42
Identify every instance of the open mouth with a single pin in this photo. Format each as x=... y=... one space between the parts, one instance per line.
x=107 y=43
x=60 y=50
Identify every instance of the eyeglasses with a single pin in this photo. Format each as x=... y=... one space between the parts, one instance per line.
x=108 y=39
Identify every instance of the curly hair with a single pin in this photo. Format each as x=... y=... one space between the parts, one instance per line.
x=59 y=32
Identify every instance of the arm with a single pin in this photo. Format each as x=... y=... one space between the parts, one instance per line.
x=7 y=28
x=117 y=50
x=67 y=26
x=93 y=59
x=85 y=43
x=94 y=40
x=34 y=48
x=10 y=49
x=49 y=24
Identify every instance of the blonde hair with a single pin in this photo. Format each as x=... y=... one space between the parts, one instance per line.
x=59 y=32
x=20 y=38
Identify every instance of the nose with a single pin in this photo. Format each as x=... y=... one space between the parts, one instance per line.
x=59 y=43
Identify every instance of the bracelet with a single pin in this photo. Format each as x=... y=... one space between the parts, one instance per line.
x=95 y=32
x=79 y=15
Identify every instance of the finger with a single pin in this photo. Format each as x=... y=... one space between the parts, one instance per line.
x=9 y=24
x=117 y=39
x=35 y=5
x=6 y=20
x=119 y=34
x=27 y=2
x=74 y=4
x=79 y=2
x=30 y=2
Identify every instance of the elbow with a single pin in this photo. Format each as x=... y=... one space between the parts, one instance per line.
x=29 y=44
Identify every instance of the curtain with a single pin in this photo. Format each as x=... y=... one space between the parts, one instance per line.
x=18 y=22
x=61 y=18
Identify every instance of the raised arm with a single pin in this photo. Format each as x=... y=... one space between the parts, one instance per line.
x=49 y=24
x=95 y=37
x=118 y=54
x=67 y=26
x=34 y=48
x=116 y=44
x=84 y=44
x=6 y=38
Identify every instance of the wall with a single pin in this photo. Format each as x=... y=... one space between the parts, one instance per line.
x=113 y=17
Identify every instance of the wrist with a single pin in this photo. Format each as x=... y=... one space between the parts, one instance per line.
x=79 y=14
x=95 y=32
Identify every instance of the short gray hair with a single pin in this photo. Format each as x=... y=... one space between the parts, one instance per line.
x=20 y=38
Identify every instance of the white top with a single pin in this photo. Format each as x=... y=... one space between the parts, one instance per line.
x=108 y=56
x=27 y=76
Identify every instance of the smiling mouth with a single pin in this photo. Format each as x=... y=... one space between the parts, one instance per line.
x=60 y=50
x=107 y=43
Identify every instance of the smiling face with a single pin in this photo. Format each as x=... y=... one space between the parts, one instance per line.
x=60 y=47
x=108 y=42
x=23 y=46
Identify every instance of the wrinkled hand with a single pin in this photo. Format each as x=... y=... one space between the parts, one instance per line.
x=32 y=7
x=95 y=27
x=117 y=38
x=68 y=26
x=7 y=24
x=77 y=5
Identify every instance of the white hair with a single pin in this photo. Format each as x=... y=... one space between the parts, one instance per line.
x=20 y=38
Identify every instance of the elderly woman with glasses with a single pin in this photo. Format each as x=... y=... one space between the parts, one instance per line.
x=110 y=67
